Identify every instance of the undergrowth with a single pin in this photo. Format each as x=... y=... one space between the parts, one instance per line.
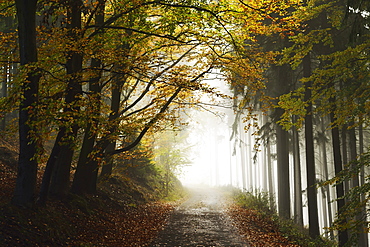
x=262 y=204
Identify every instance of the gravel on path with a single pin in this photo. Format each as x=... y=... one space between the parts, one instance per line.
x=200 y=221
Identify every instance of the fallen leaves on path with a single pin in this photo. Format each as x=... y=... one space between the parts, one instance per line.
x=129 y=226
x=257 y=230
x=76 y=221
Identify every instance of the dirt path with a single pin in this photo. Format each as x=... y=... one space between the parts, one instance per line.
x=200 y=221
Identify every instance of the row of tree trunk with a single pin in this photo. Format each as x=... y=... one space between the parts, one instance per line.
x=290 y=150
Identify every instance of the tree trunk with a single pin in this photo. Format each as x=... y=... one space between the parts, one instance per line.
x=61 y=174
x=27 y=164
x=344 y=152
x=84 y=170
x=353 y=153
x=326 y=176
x=4 y=92
x=361 y=151
x=46 y=178
x=268 y=160
x=298 y=207
x=282 y=150
x=253 y=179
x=115 y=105
x=313 y=216
x=343 y=235
x=270 y=174
x=242 y=157
x=282 y=147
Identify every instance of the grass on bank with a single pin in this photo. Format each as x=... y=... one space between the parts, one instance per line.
x=263 y=205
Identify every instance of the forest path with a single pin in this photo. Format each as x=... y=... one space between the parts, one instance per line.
x=200 y=221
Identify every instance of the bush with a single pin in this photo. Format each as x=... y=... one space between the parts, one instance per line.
x=256 y=200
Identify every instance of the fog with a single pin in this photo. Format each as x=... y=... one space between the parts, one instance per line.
x=209 y=135
x=209 y=138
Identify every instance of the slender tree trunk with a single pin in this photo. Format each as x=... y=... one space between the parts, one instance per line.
x=353 y=153
x=343 y=235
x=361 y=150
x=268 y=158
x=4 y=92
x=242 y=156
x=313 y=216
x=282 y=145
x=253 y=179
x=230 y=159
x=270 y=174
x=298 y=207
x=282 y=149
x=323 y=208
x=326 y=177
x=27 y=164
x=345 y=153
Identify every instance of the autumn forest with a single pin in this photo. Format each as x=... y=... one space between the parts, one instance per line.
x=96 y=89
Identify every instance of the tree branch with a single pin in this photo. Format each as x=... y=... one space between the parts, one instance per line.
x=149 y=125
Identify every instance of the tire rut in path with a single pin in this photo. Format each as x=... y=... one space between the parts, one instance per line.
x=200 y=221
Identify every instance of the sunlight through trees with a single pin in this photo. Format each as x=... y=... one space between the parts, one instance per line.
x=100 y=85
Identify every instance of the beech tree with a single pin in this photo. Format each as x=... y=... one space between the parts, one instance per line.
x=28 y=161
x=114 y=72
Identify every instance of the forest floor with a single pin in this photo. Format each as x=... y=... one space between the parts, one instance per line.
x=103 y=220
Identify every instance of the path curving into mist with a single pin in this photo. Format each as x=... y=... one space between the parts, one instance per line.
x=200 y=221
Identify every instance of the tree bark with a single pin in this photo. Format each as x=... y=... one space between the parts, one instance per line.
x=84 y=170
x=343 y=235
x=61 y=173
x=270 y=174
x=282 y=147
x=27 y=164
x=322 y=141
x=353 y=152
x=298 y=207
x=4 y=92
x=46 y=178
x=242 y=157
x=313 y=216
x=115 y=105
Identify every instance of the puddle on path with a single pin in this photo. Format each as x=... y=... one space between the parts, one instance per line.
x=200 y=221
